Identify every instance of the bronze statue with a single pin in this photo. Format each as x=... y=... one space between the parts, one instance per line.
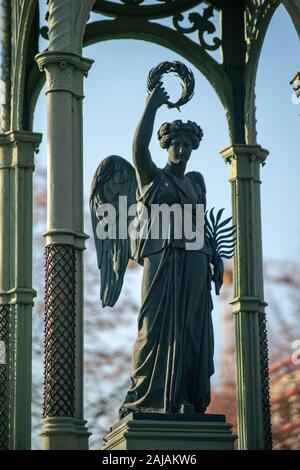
x=172 y=359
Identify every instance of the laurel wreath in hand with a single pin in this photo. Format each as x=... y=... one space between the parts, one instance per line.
x=186 y=76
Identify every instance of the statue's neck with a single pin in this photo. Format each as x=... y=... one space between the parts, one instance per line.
x=176 y=170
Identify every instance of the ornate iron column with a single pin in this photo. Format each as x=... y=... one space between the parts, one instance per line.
x=254 y=423
x=64 y=427
x=16 y=293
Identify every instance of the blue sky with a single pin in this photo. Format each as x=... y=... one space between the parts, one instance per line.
x=115 y=92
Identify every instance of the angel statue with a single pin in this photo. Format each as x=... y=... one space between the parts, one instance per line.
x=172 y=359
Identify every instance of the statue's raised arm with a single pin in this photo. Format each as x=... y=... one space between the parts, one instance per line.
x=146 y=170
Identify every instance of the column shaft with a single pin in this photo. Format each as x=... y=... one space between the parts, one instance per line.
x=64 y=427
x=254 y=426
x=5 y=282
x=79 y=228
x=16 y=296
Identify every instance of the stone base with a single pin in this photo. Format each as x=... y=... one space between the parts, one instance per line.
x=154 y=431
x=64 y=434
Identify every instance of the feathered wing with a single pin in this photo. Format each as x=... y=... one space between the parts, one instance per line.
x=113 y=178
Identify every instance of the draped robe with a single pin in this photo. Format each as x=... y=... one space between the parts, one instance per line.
x=172 y=359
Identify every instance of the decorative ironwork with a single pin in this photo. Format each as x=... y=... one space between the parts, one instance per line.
x=59 y=331
x=4 y=309
x=135 y=9
x=264 y=354
x=200 y=23
x=252 y=13
x=256 y=13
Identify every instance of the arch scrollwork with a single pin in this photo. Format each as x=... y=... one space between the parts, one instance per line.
x=136 y=9
x=171 y=39
x=258 y=15
x=131 y=19
x=201 y=24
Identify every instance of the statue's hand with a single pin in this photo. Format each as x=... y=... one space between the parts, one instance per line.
x=158 y=96
x=218 y=275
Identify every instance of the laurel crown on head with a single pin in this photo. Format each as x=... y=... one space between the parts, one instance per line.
x=169 y=130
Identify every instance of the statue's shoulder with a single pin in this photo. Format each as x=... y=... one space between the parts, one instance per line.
x=197 y=178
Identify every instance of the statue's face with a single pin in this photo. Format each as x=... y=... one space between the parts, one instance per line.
x=180 y=149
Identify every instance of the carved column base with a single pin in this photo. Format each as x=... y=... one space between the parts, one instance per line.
x=64 y=434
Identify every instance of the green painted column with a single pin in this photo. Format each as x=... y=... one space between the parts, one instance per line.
x=64 y=426
x=254 y=425
x=16 y=293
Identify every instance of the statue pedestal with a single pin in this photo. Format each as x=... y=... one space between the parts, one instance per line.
x=155 y=431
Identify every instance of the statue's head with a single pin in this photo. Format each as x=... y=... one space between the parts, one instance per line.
x=179 y=139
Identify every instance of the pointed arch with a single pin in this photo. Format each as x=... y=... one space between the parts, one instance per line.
x=164 y=36
x=251 y=71
x=26 y=48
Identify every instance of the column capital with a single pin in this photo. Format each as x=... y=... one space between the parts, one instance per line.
x=244 y=161
x=17 y=148
x=251 y=152
x=64 y=71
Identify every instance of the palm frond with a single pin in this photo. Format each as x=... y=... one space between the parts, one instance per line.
x=221 y=239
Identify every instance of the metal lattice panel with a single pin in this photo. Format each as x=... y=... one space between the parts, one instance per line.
x=59 y=331
x=3 y=378
x=264 y=354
